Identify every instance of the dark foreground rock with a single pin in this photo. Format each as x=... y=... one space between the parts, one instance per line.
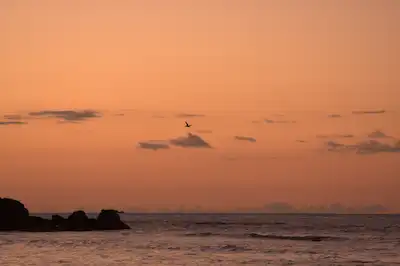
x=15 y=217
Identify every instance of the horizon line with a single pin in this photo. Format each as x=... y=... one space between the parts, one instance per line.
x=227 y=212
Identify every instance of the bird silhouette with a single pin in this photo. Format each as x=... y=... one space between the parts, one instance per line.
x=187 y=125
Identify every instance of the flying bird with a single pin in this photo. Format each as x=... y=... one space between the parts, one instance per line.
x=187 y=125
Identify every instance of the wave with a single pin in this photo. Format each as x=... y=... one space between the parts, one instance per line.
x=297 y=238
x=314 y=238
x=227 y=247
x=239 y=223
x=212 y=224
x=203 y=234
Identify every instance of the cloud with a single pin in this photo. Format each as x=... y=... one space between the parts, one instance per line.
x=373 y=146
x=186 y=115
x=378 y=135
x=336 y=136
x=346 y=136
x=335 y=146
x=13 y=117
x=67 y=115
x=334 y=116
x=364 y=147
x=270 y=121
x=190 y=141
x=153 y=145
x=249 y=139
x=7 y=123
x=369 y=112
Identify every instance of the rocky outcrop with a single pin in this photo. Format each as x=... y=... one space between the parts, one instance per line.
x=13 y=214
x=15 y=217
x=109 y=219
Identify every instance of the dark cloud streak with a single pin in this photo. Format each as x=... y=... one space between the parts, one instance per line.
x=244 y=138
x=364 y=147
x=8 y=123
x=152 y=145
x=270 y=121
x=377 y=134
x=334 y=116
x=369 y=112
x=336 y=136
x=67 y=115
x=187 y=115
x=13 y=117
x=190 y=141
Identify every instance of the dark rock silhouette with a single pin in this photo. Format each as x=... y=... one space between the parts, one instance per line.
x=58 y=221
x=15 y=217
x=78 y=221
x=109 y=219
x=13 y=214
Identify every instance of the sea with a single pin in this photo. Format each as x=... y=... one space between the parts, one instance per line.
x=216 y=239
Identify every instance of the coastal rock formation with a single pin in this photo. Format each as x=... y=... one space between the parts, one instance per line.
x=15 y=217
x=13 y=214
x=108 y=219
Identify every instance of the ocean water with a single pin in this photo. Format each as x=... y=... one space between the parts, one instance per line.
x=216 y=239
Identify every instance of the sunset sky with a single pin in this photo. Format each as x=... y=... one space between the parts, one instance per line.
x=290 y=101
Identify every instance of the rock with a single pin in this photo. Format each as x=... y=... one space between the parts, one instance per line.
x=39 y=224
x=78 y=221
x=78 y=216
x=57 y=219
x=15 y=217
x=110 y=220
x=59 y=222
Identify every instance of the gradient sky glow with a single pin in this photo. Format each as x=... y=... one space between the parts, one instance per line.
x=235 y=62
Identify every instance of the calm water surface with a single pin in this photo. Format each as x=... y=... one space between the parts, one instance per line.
x=193 y=239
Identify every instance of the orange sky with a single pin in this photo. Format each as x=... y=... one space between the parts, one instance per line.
x=235 y=62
